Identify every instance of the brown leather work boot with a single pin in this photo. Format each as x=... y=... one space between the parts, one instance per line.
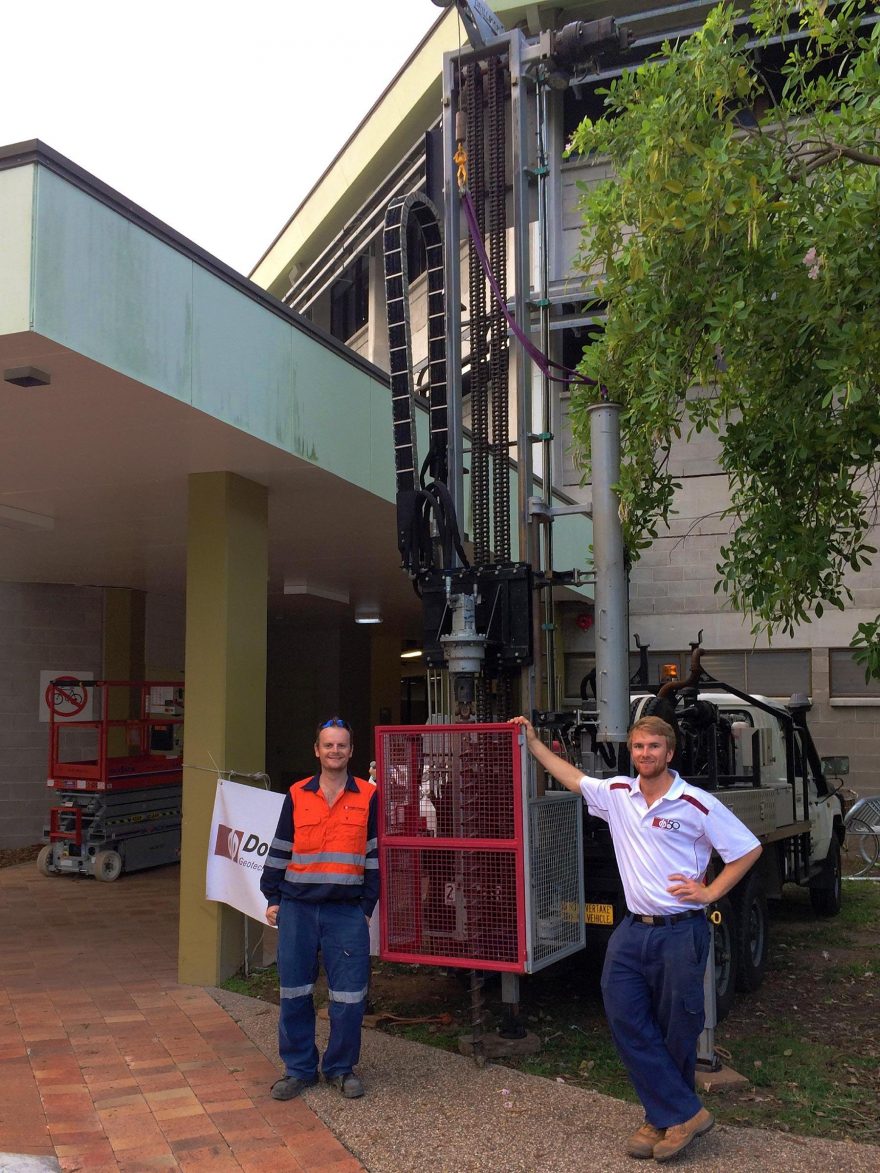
x=641 y=1143
x=679 y=1136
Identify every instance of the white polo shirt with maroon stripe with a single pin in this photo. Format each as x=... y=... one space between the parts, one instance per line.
x=676 y=834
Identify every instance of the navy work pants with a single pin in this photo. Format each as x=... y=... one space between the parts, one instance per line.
x=652 y=984
x=339 y=931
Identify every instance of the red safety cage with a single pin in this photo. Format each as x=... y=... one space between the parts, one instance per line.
x=451 y=845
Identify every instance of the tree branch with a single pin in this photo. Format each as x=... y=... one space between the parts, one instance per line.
x=831 y=152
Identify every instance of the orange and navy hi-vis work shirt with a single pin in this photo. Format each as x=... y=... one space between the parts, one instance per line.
x=325 y=853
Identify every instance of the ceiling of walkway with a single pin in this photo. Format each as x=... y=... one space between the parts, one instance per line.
x=93 y=491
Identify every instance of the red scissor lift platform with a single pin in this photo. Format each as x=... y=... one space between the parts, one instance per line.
x=118 y=777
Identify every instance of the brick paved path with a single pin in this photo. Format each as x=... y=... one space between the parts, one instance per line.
x=108 y=1064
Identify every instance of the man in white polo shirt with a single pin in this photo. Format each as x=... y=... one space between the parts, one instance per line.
x=664 y=832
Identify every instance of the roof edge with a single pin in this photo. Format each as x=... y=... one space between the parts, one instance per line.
x=35 y=152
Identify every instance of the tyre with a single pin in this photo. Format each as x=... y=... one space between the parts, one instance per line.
x=826 y=891
x=44 y=862
x=725 y=958
x=752 y=932
x=107 y=866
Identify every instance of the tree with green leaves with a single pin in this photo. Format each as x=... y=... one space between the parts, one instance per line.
x=739 y=264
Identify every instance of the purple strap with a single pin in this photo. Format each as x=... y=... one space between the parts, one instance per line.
x=541 y=360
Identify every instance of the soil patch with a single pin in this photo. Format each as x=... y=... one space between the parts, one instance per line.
x=13 y=855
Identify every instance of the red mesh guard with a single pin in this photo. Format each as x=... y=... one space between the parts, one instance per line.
x=451 y=845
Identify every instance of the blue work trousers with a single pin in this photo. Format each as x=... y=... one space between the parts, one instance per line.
x=339 y=931
x=652 y=985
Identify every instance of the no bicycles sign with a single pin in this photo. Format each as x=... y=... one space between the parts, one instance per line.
x=64 y=696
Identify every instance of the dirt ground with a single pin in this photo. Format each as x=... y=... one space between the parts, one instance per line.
x=11 y=855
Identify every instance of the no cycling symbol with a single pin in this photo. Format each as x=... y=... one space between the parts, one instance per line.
x=66 y=696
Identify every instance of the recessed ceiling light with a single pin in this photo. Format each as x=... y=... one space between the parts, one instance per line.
x=367 y=617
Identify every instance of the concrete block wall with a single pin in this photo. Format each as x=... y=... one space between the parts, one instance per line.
x=42 y=626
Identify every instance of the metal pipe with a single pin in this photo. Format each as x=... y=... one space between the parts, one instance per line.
x=452 y=234
x=612 y=635
x=528 y=533
x=542 y=171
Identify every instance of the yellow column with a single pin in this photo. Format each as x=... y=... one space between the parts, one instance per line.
x=225 y=726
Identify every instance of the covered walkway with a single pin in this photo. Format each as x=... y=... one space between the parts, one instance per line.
x=107 y=1063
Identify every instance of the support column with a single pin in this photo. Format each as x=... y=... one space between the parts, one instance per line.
x=226 y=572
x=124 y=627
x=123 y=656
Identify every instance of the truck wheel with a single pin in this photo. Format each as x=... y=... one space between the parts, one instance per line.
x=108 y=866
x=826 y=894
x=44 y=862
x=725 y=959
x=752 y=932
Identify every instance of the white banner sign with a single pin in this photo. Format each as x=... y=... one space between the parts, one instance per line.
x=242 y=828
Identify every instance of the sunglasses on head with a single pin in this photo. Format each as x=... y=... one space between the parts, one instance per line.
x=335 y=723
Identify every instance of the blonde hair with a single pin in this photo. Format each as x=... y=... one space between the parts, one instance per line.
x=655 y=725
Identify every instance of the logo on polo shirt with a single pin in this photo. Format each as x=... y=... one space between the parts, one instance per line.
x=666 y=824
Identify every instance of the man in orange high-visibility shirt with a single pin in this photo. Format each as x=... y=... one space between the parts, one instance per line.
x=321 y=881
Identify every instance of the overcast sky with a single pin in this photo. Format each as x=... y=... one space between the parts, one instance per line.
x=216 y=117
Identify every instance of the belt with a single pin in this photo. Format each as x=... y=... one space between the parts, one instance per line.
x=669 y=919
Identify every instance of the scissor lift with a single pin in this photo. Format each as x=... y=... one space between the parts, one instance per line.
x=118 y=777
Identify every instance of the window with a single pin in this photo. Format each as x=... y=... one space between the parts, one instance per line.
x=350 y=299
x=848 y=677
x=765 y=673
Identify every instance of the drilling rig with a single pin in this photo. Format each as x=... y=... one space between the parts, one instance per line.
x=485 y=865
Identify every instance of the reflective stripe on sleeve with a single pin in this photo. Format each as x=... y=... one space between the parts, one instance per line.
x=281 y=845
x=372 y=865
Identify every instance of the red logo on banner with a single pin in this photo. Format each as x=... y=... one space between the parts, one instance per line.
x=228 y=843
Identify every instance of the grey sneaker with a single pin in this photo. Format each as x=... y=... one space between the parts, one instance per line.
x=289 y=1087
x=349 y=1084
